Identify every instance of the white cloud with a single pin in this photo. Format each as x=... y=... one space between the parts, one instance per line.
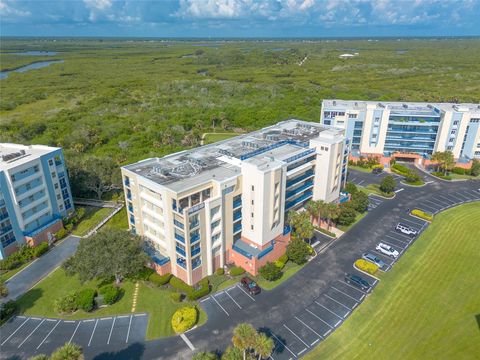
x=214 y=9
x=8 y=10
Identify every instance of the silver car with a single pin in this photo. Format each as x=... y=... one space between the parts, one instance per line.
x=373 y=259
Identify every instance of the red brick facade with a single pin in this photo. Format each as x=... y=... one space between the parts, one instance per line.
x=43 y=236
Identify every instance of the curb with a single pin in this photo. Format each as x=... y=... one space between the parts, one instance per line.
x=364 y=272
x=419 y=218
x=413 y=186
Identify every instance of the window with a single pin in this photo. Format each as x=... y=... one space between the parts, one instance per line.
x=251 y=227
x=253 y=202
x=59 y=196
x=61 y=207
x=451 y=140
x=50 y=162
x=352 y=116
x=455 y=122
x=374 y=136
x=253 y=188
x=54 y=175
x=449 y=147
x=252 y=214
x=55 y=185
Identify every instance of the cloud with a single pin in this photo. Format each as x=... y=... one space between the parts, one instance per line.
x=214 y=9
x=7 y=10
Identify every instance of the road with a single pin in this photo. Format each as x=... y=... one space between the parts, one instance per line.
x=21 y=282
x=308 y=307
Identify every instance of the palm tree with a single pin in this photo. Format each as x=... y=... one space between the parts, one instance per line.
x=331 y=212
x=312 y=209
x=203 y=355
x=263 y=346
x=69 y=351
x=244 y=338
x=321 y=210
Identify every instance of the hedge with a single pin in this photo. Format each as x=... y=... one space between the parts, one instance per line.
x=181 y=285
x=66 y=304
x=422 y=214
x=441 y=175
x=283 y=258
x=326 y=232
x=110 y=293
x=183 y=319
x=60 y=234
x=202 y=291
x=366 y=266
x=85 y=299
x=159 y=280
x=403 y=170
x=176 y=297
x=220 y=271
x=7 y=309
x=41 y=249
x=237 y=270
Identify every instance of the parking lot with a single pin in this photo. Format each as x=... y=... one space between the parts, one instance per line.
x=34 y=335
x=444 y=200
x=227 y=302
x=363 y=179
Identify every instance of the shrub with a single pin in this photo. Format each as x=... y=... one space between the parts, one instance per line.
x=204 y=289
x=283 y=258
x=360 y=201
x=143 y=274
x=69 y=227
x=39 y=357
x=85 y=299
x=379 y=166
x=176 y=297
x=60 y=234
x=66 y=304
x=387 y=185
x=458 y=170
x=422 y=214
x=270 y=271
x=347 y=214
x=297 y=251
x=441 y=175
x=475 y=168
x=110 y=293
x=184 y=318
x=159 y=280
x=279 y=264
x=403 y=170
x=68 y=352
x=41 y=249
x=237 y=270
x=366 y=266
x=350 y=188
x=7 y=309
x=10 y=263
x=220 y=271
x=181 y=285
x=3 y=288
x=326 y=232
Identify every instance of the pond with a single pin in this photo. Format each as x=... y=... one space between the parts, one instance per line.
x=36 y=53
x=33 y=66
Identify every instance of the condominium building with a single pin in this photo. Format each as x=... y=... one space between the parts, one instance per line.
x=225 y=203
x=406 y=130
x=34 y=195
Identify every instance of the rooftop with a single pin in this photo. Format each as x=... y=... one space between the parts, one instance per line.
x=12 y=155
x=422 y=108
x=222 y=160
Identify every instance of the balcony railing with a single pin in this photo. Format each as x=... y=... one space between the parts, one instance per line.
x=306 y=175
x=129 y=196
x=237 y=216
x=237 y=203
x=302 y=198
x=196 y=262
x=237 y=228
x=241 y=251
x=286 y=229
x=3 y=216
x=182 y=263
x=298 y=190
x=5 y=229
x=180 y=251
x=178 y=224
x=194 y=224
x=130 y=208
x=196 y=251
x=179 y=238
x=266 y=251
x=194 y=238
x=127 y=182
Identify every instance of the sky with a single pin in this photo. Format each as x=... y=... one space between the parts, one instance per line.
x=240 y=18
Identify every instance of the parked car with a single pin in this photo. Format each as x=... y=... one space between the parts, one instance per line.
x=373 y=259
x=377 y=171
x=387 y=250
x=406 y=229
x=357 y=281
x=250 y=285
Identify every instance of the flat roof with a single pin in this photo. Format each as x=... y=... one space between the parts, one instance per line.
x=222 y=160
x=13 y=155
x=424 y=108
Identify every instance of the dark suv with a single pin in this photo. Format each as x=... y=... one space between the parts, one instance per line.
x=377 y=170
x=357 y=281
x=250 y=285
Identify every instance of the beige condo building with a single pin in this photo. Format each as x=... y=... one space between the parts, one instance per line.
x=223 y=203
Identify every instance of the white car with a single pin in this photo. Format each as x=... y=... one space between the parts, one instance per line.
x=406 y=229
x=387 y=250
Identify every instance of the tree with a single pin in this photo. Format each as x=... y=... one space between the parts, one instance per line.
x=347 y=214
x=232 y=353
x=270 y=271
x=167 y=137
x=68 y=351
x=112 y=253
x=263 y=346
x=412 y=176
x=244 y=338
x=438 y=158
x=448 y=161
x=297 y=251
x=387 y=185
x=475 y=169
x=3 y=288
x=39 y=357
x=351 y=188
x=203 y=355
x=331 y=213
x=302 y=227
x=360 y=201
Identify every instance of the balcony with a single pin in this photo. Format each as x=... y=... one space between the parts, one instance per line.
x=61 y=174
x=237 y=227
x=178 y=224
x=180 y=251
x=241 y=251
x=3 y=216
x=196 y=262
x=194 y=224
x=296 y=180
x=155 y=255
x=298 y=190
x=5 y=229
x=182 y=262
x=237 y=203
x=130 y=208
x=179 y=238
x=237 y=215
x=297 y=201
x=196 y=251
x=194 y=238
x=286 y=229
x=127 y=182
x=266 y=251
x=129 y=195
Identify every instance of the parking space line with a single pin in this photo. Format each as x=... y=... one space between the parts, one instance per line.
x=438 y=203
x=429 y=208
x=298 y=337
x=93 y=332
x=128 y=331
x=90 y=320
x=301 y=352
x=69 y=321
x=445 y=196
x=213 y=297
x=187 y=341
x=386 y=242
x=208 y=298
x=246 y=293
x=58 y=322
x=111 y=330
x=226 y=292
x=432 y=202
x=319 y=318
x=351 y=297
x=412 y=222
x=24 y=340
x=338 y=302
x=285 y=346
x=402 y=241
x=308 y=327
x=360 y=182
x=462 y=196
x=353 y=287
x=74 y=332
x=330 y=311
x=403 y=235
x=8 y=338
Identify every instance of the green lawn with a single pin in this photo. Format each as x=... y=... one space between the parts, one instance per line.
x=359 y=168
x=211 y=137
x=374 y=189
x=118 y=221
x=426 y=306
x=414 y=183
x=460 y=176
x=288 y=271
x=155 y=301
x=93 y=216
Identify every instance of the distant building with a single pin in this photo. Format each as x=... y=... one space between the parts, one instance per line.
x=34 y=195
x=406 y=130
x=226 y=203
x=348 y=56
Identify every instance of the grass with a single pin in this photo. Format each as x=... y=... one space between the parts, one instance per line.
x=426 y=306
x=152 y=300
x=414 y=183
x=463 y=176
x=359 y=168
x=118 y=221
x=212 y=137
x=93 y=216
x=374 y=189
x=359 y=217
x=288 y=271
